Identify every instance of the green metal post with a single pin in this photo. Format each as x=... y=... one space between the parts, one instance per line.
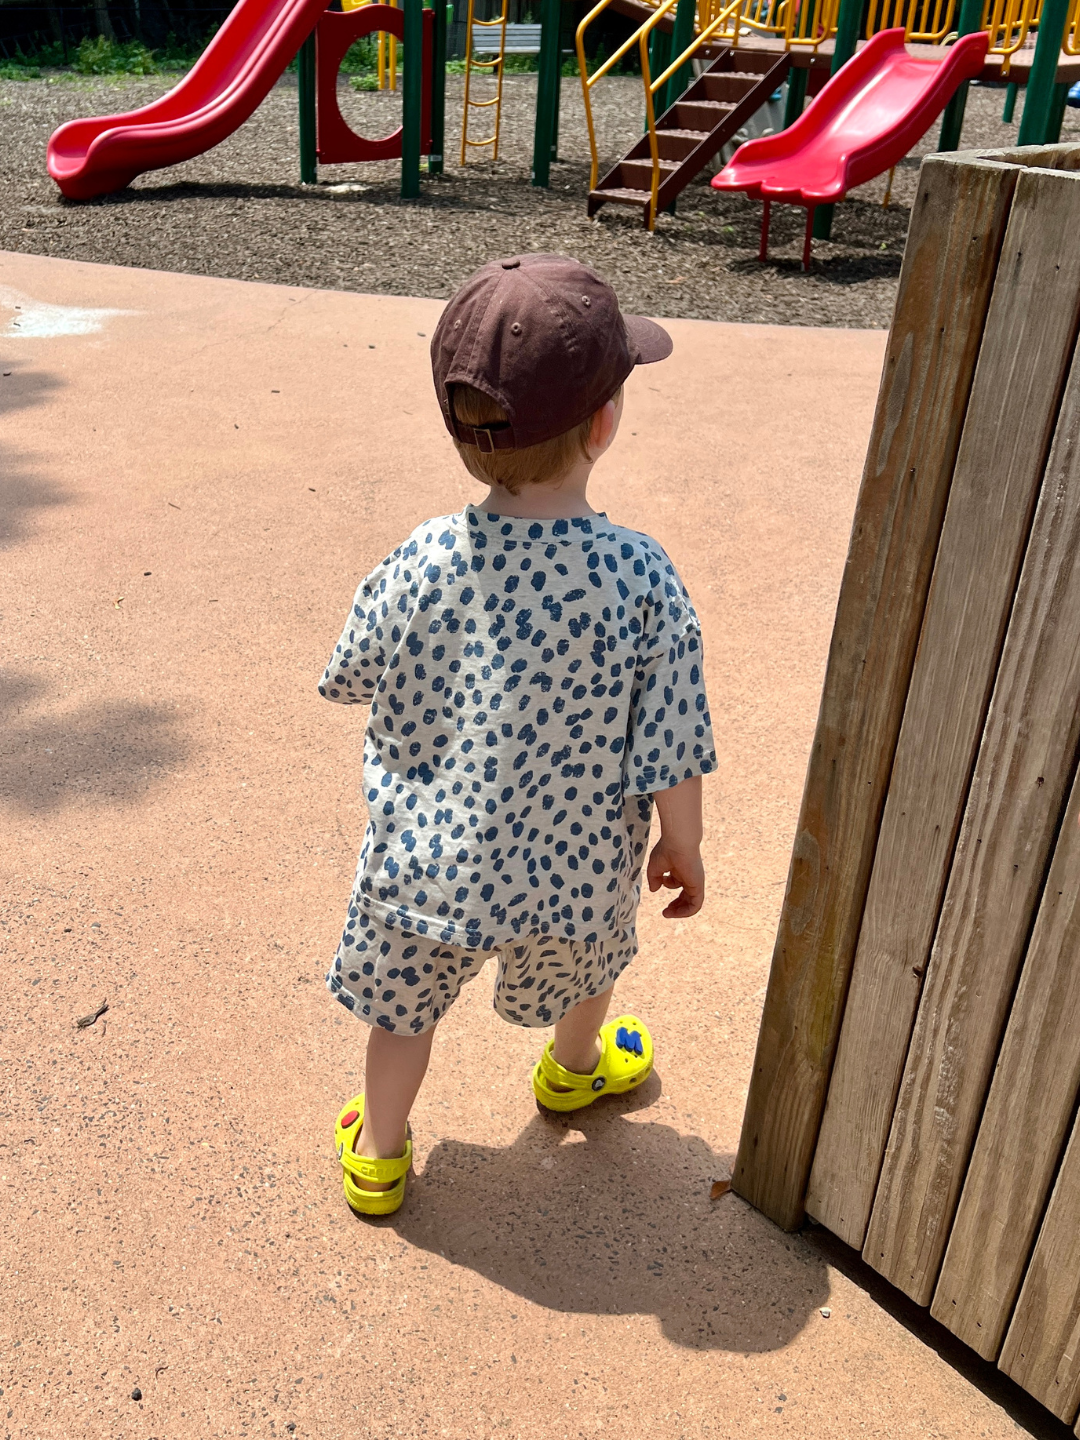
x=566 y=42
x=412 y=98
x=547 y=91
x=952 y=122
x=848 y=24
x=438 y=91
x=796 y=95
x=305 y=76
x=1057 y=113
x=682 y=38
x=1011 y=92
x=1037 y=121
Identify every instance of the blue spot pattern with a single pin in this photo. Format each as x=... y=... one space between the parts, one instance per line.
x=527 y=680
x=390 y=976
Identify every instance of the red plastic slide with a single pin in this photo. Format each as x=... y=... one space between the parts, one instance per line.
x=230 y=80
x=868 y=116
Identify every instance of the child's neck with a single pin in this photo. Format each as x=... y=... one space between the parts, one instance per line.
x=564 y=499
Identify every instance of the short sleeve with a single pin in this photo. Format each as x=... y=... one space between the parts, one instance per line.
x=359 y=658
x=670 y=737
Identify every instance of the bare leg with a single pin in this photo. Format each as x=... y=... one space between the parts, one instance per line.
x=577 y=1046
x=395 y=1070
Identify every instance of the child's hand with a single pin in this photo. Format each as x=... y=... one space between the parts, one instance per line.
x=673 y=869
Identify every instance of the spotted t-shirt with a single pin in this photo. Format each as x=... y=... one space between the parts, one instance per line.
x=531 y=684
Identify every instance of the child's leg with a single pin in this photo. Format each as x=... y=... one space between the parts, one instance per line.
x=577 y=1045
x=396 y=1066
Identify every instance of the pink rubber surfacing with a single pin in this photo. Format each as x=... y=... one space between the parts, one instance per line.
x=865 y=120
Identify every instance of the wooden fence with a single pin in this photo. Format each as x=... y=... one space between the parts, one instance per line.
x=917 y=1077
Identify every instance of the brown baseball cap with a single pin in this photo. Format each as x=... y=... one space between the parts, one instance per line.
x=543 y=336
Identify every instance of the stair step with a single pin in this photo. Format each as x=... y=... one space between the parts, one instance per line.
x=695 y=135
x=725 y=86
x=701 y=114
x=622 y=196
x=637 y=174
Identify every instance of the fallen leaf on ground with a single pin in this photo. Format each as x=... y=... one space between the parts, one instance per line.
x=719 y=1187
x=88 y=1020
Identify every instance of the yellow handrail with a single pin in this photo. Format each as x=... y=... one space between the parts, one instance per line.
x=1071 y=42
x=652 y=86
x=796 y=23
x=588 y=81
x=495 y=67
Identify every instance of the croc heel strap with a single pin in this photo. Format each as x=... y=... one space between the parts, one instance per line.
x=362 y=1167
x=626 y=1059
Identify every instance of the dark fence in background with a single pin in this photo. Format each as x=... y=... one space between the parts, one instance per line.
x=28 y=29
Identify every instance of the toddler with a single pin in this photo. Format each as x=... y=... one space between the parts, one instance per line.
x=535 y=680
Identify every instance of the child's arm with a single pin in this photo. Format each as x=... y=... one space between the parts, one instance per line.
x=675 y=863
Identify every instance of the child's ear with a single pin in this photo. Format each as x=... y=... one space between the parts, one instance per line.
x=603 y=425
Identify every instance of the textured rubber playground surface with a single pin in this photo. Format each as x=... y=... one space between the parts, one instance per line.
x=193 y=475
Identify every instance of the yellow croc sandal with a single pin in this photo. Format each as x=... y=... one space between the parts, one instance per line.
x=383 y=1172
x=626 y=1059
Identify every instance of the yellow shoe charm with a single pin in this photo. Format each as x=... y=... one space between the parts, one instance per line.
x=626 y=1059
x=382 y=1172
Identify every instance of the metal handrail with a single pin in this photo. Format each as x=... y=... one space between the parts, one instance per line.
x=796 y=23
x=588 y=81
x=652 y=86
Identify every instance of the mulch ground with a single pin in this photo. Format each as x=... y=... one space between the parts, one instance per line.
x=239 y=211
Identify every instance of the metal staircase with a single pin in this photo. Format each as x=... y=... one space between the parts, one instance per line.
x=690 y=132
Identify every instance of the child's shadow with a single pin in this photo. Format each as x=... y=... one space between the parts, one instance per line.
x=607 y=1215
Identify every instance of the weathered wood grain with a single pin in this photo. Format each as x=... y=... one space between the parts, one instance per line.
x=1024 y=357
x=1010 y=821
x=957 y=226
x=1027 y=1119
x=1042 y=1348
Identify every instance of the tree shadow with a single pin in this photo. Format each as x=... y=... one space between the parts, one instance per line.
x=109 y=752
x=607 y=1215
x=23 y=489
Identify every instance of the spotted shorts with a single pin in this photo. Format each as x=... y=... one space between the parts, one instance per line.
x=406 y=982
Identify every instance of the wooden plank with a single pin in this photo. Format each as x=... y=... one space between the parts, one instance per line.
x=1042 y=1348
x=1025 y=354
x=958 y=222
x=1010 y=822
x=1027 y=1119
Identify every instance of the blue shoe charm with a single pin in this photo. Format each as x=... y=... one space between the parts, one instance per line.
x=629 y=1040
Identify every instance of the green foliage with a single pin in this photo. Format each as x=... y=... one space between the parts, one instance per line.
x=110 y=57
x=18 y=69
x=99 y=56
x=368 y=81
x=361 y=57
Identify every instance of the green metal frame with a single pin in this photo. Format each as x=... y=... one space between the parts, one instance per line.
x=681 y=39
x=1011 y=92
x=1043 y=110
x=849 y=22
x=438 y=90
x=412 y=98
x=952 y=121
x=547 y=93
x=305 y=75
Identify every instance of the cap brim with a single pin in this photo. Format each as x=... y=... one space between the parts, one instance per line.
x=649 y=340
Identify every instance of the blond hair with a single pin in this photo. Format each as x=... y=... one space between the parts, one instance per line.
x=535 y=464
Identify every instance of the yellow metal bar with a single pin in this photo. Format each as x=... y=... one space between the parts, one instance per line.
x=588 y=81
x=702 y=39
x=492 y=67
x=652 y=86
